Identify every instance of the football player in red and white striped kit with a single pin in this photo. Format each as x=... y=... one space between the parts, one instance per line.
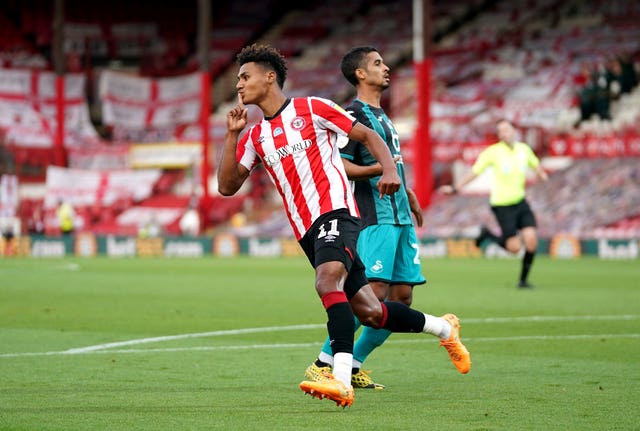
x=297 y=143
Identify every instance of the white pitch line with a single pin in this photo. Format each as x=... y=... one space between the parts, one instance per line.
x=105 y=346
x=549 y=318
x=319 y=326
x=193 y=335
x=305 y=345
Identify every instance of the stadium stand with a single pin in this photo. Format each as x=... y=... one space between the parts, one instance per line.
x=526 y=60
x=590 y=198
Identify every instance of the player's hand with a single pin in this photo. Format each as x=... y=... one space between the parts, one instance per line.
x=237 y=117
x=389 y=183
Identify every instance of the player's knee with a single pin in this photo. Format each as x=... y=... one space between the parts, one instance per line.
x=405 y=299
x=381 y=289
x=401 y=293
x=370 y=315
x=329 y=277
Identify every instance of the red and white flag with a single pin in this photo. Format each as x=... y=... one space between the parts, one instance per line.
x=136 y=102
x=28 y=109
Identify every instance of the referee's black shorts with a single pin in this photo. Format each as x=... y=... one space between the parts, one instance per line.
x=334 y=237
x=512 y=218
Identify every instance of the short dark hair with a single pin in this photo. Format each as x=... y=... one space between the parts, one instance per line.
x=353 y=60
x=267 y=57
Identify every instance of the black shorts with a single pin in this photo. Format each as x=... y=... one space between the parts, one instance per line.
x=334 y=237
x=512 y=218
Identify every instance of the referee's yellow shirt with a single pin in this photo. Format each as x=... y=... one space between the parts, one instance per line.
x=509 y=170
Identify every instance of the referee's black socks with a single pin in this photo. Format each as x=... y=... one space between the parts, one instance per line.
x=527 y=261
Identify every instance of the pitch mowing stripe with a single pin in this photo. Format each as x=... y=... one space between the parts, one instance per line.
x=105 y=346
x=305 y=345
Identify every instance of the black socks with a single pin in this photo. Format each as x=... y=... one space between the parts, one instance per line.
x=341 y=327
x=527 y=261
x=402 y=318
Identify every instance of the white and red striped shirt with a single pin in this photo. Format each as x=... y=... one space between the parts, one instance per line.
x=299 y=150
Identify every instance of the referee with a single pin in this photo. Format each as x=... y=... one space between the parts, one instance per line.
x=509 y=160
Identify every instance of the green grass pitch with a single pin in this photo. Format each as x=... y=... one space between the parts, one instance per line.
x=222 y=343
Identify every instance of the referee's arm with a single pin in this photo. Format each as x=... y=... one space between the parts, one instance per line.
x=541 y=173
x=450 y=189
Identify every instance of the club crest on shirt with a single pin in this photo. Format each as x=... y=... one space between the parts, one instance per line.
x=277 y=132
x=298 y=123
x=377 y=267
